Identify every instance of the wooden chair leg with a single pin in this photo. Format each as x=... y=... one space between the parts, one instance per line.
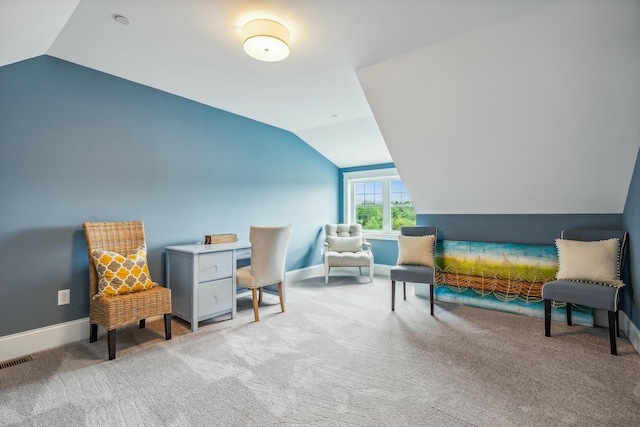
x=569 y=315
x=260 y=295
x=547 y=318
x=167 y=326
x=404 y=290
x=143 y=323
x=393 y=295
x=254 y=293
x=612 y=332
x=431 y=297
x=111 y=343
x=93 y=332
x=280 y=294
x=617 y=324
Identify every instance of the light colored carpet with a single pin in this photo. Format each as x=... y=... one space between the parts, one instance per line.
x=338 y=357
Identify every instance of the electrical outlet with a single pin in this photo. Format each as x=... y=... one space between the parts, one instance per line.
x=64 y=296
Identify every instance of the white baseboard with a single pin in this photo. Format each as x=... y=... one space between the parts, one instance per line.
x=382 y=270
x=36 y=340
x=422 y=290
x=630 y=330
x=318 y=270
x=305 y=273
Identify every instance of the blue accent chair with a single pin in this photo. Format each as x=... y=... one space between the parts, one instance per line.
x=414 y=273
x=587 y=294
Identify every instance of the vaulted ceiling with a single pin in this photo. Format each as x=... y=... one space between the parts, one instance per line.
x=480 y=103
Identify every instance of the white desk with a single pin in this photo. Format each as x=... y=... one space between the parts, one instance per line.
x=202 y=279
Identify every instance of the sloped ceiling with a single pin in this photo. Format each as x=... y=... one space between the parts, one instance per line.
x=536 y=114
x=414 y=57
x=193 y=49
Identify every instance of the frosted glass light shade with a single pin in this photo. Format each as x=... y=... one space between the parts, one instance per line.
x=266 y=40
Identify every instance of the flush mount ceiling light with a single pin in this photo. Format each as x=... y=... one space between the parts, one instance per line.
x=266 y=40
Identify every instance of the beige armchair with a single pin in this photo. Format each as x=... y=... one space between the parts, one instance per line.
x=346 y=247
x=268 y=255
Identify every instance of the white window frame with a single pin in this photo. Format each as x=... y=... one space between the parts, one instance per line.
x=384 y=175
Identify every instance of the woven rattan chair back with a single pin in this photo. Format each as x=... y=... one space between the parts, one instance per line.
x=120 y=237
x=115 y=311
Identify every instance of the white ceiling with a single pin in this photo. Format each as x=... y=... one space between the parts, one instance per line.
x=537 y=114
x=486 y=106
x=192 y=48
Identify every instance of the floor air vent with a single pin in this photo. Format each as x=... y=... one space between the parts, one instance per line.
x=14 y=362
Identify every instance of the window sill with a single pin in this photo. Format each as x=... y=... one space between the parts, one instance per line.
x=372 y=235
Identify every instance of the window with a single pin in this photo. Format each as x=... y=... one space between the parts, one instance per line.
x=369 y=204
x=378 y=200
x=402 y=212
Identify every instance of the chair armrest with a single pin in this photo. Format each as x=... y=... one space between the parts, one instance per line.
x=327 y=249
x=367 y=248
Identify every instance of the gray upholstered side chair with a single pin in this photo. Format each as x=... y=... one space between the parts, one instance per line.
x=588 y=275
x=345 y=246
x=416 y=260
x=268 y=254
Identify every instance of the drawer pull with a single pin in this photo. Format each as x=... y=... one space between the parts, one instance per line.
x=216 y=267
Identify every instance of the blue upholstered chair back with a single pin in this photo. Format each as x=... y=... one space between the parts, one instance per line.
x=419 y=230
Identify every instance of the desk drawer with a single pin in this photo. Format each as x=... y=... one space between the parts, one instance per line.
x=243 y=253
x=214 y=265
x=215 y=298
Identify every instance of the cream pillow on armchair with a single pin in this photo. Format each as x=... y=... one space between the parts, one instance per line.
x=345 y=244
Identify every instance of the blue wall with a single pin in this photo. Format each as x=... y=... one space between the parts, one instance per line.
x=631 y=219
x=532 y=229
x=80 y=145
x=385 y=252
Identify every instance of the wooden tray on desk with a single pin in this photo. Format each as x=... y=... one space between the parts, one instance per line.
x=212 y=239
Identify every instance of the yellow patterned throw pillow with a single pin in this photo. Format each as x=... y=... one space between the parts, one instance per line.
x=121 y=274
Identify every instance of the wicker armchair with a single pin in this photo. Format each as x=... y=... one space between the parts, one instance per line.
x=112 y=312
